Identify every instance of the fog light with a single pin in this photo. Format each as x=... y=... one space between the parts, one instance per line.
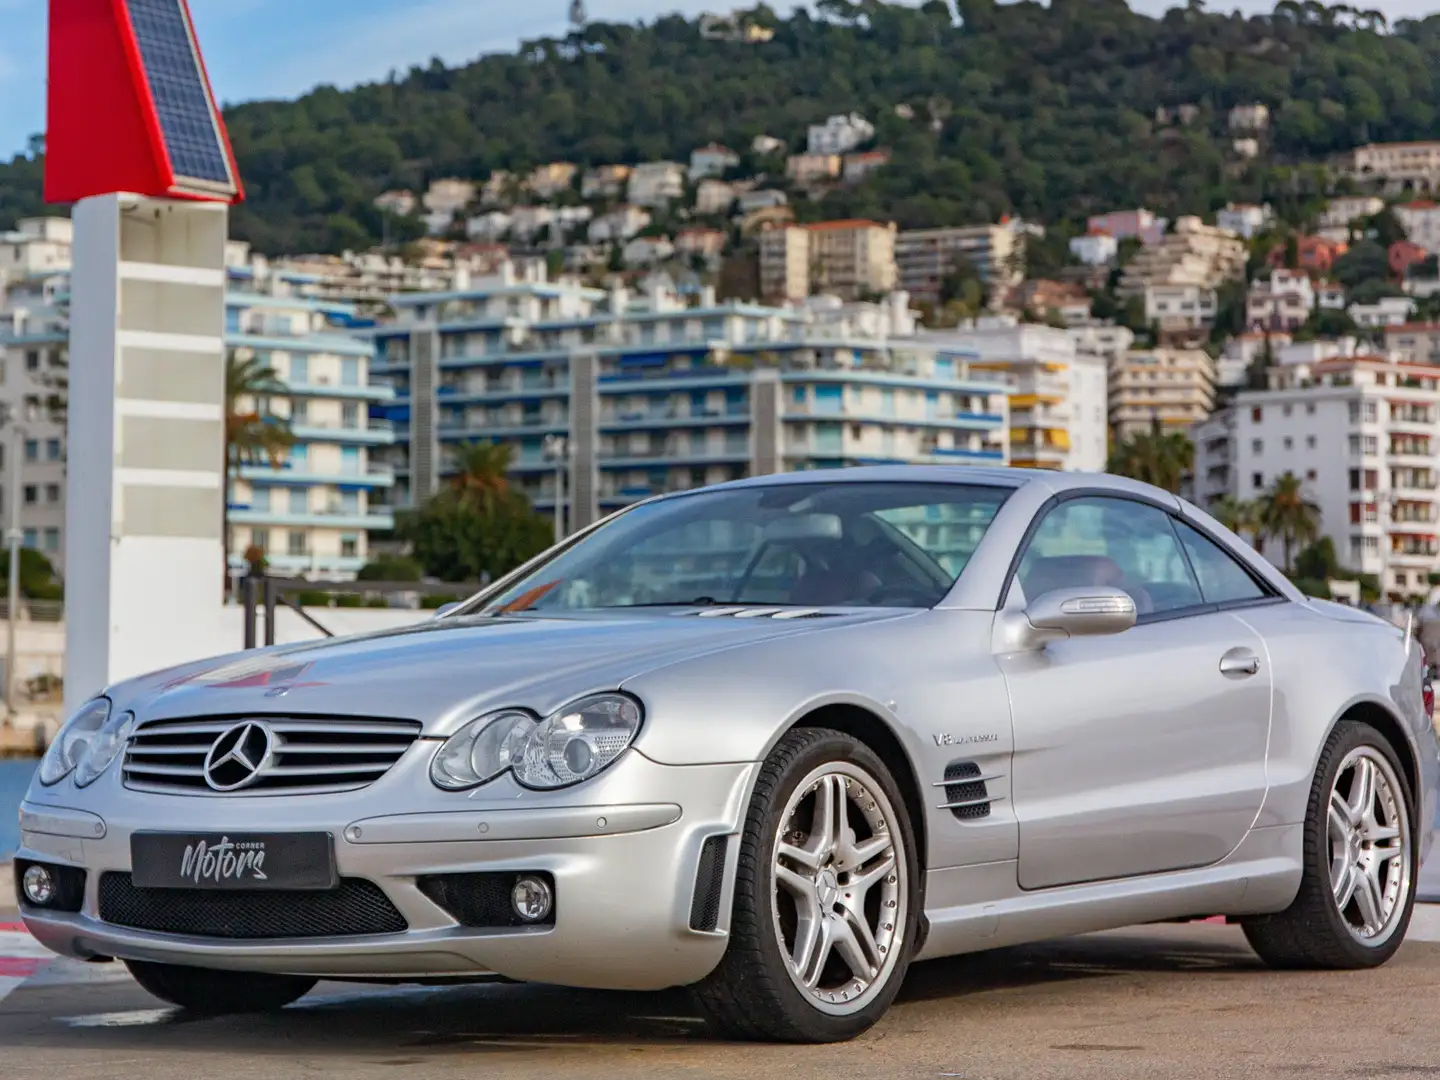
x=39 y=885
x=531 y=898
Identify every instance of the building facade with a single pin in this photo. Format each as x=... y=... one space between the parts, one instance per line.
x=309 y=511
x=1169 y=387
x=654 y=394
x=926 y=257
x=1360 y=433
x=849 y=259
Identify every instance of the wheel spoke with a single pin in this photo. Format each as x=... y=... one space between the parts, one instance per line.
x=856 y=945
x=1341 y=824
x=1367 y=899
x=1344 y=886
x=1382 y=832
x=1362 y=792
x=863 y=883
x=866 y=850
x=813 y=942
x=801 y=855
x=797 y=885
x=1385 y=854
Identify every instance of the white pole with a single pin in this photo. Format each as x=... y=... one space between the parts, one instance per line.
x=559 y=493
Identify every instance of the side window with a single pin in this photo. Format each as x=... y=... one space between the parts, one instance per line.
x=1222 y=579
x=1117 y=542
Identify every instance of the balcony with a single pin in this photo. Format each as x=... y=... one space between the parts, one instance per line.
x=376 y=475
x=639 y=420
x=372 y=519
x=376 y=433
x=372 y=392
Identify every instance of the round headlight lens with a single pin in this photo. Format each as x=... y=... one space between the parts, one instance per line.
x=104 y=747
x=481 y=750
x=576 y=742
x=73 y=740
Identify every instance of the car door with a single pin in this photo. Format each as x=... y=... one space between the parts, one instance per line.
x=1142 y=751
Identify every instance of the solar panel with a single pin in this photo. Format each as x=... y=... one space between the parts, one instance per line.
x=172 y=66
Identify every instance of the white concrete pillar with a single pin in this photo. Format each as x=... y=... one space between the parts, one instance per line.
x=144 y=557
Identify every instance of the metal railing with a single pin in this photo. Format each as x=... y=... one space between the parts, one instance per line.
x=269 y=594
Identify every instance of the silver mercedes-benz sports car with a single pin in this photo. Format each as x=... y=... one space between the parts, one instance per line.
x=773 y=740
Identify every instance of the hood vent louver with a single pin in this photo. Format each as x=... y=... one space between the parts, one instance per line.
x=966 y=794
x=778 y=613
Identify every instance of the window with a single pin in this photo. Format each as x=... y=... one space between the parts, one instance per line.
x=52 y=493
x=52 y=539
x=1289 y=442
x=32 y=361
x=349 y=547
x=1256 y=414
x=32 y=538
x=1354 y=479
x=1372 y=444
x=1287 y=410
x=350 y=415
x=299 y=370
x=1372 y=412
x=1117 y=542
x=299 y=412
x=1222 y=579
x=295 y=543
x=32 y=494
x=52 y=449
x=349 y=371
x=1309 y=442
x=260 y=538
x=1310 y=410
x=299 y=501
x=1257 y=480
x=32 y=449
x=1310 y=475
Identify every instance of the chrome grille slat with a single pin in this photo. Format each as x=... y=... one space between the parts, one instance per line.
x=309 y=755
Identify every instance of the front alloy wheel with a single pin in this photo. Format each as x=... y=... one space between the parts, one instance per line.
x=1357 y=886
x=826 y=897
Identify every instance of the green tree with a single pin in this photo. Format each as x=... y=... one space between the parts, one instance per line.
x=390 y=568
x=254 y=435
x=1154 y=457
x=456 y=538
x=1288 y=514
x=1240 y=516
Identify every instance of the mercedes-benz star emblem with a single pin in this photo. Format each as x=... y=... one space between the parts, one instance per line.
x=239 y=756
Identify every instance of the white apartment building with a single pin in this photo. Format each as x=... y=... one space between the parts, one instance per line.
x=714 y=197
x=605 y=181
x=849 y=259
x=1387 y=311
x=36 y=246
x=1180 y=307
x=1058 y=411
x=1360 y=432
x=548 y=181
x=1254 y=117
x=1105 y=340
x=656 y=184
x=1244 y=219
x=712 y=160
x=1421 y=221
x=1095 y=248
x=449 y=196
x=1343 y=211
x=1193 y=253
x=619 y=224
x=1411 y=166
x=1172 y=387
x=839 y=134
x=1419 y=343
x=1283 y=301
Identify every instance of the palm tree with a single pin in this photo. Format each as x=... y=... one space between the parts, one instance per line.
x=483 y=472
x=1240 y=517
x=1154 y=458
x=253 y=435
x=1286 y=513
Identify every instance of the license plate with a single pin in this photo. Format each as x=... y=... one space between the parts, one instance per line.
x=233 y=861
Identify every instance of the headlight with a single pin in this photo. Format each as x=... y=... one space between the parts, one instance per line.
x=103 y=749
x=73 y=740
x=570 y=745
x=576 y=742
x=481 y=750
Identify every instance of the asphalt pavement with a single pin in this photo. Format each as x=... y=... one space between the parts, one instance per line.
x=1154 y=1002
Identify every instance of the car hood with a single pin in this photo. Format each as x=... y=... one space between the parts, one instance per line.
x=446 y=672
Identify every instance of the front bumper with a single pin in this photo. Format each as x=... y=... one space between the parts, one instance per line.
x=623 y=849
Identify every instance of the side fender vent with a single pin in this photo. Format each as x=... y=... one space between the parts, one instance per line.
x=966 y=795
x=709 y=884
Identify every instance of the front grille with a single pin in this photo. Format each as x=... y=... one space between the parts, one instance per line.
x=311 y=755
x=481 y=900
x=356 y=909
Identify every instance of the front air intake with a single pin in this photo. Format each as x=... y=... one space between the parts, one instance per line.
x=973 y=796
x=709 y=884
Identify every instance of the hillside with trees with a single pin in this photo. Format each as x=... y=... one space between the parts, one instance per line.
x=1047 y=112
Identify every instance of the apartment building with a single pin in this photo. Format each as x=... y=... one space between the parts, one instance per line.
x=1095 y=248
x=656 y=184
x=1421 y=221
x=839 y=135
x=850 y=259
x=309 y=512
x=1418 y=343
x=1283 y=301
x=1244 y=219
x=654 y=393
x=605 y=182
x=548 y=181
x=1058 y=411
x=1140 y=224
x=1413 y=166
x=34 y=247
x=1180 y=307
x=1172 y=387
x=926 y=257
x=712 y=160
x=1346 y=210
x=34 y=370
x=806 y=169
x=1192 y=253
x=1360 y=432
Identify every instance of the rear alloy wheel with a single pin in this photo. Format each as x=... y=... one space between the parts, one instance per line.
x=219 y=993
x=825 y=898
x=1357 y=891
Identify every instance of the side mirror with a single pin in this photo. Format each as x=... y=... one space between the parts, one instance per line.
x=1084 y=612
x=446 y=609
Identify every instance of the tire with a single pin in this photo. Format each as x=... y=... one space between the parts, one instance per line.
x=219 y=993
x=1317 y=931
x=757 y=991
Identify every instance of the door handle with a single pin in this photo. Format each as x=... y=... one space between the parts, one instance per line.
x=1239 y=663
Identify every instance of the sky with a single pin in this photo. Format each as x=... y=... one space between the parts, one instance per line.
x=282 y=48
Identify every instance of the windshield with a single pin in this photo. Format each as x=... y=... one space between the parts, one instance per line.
x=813 y=545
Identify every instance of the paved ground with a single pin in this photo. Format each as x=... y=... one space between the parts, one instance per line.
x=1172 y=1001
